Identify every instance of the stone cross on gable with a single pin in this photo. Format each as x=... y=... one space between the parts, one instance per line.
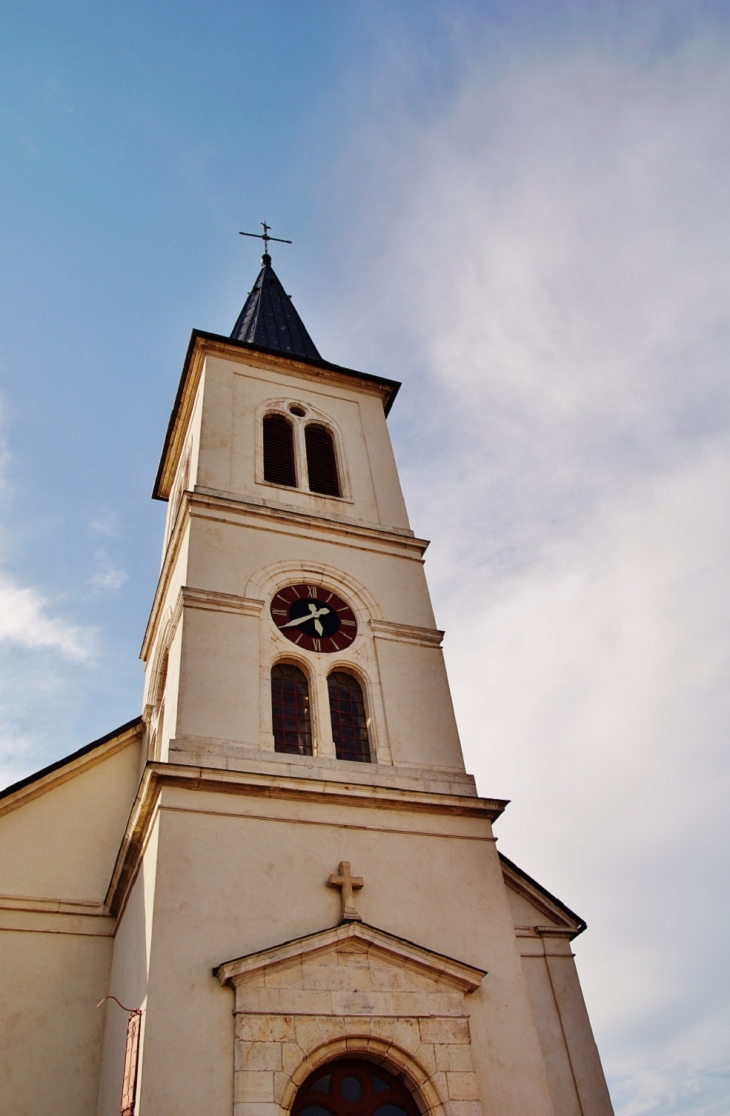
x=347 y=883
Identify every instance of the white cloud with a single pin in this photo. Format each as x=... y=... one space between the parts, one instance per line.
x=592 y=690
x=33 y=688
x=108 y=576
x=556 y=242
x=108 y=579
x=25 y=619
x=26 y=622
x=17 y=749
x=107 y=524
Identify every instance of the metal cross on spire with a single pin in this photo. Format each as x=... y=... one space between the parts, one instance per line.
x=265 y=237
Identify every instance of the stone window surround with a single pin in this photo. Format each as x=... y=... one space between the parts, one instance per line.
x=359 y=659
x=292 y=1016
x=298 y=423
x=319 y=711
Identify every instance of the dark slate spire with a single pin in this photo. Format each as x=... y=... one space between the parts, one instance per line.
x=269 y=319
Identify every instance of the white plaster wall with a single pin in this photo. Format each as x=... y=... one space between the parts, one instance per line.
x=552 y=1039
x=223 y=432
x=237 y=873
x=225 y=555
x=57 y=854
x=234 y=395
x=63 y=843
x=190 y=454
x=585 y=1063
x=129 y=977
x=417 y=700
x=236 y=876
x=220 y=692
x=50 y=1028
x=219 y=687
x=174 y=573
x=214 y=690
x=169 y=711
x=577 y=1082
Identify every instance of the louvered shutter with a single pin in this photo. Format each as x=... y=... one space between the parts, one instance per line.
x=279 y=451
x=321 y=460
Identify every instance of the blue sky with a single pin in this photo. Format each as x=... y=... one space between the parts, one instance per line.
x=520 y=210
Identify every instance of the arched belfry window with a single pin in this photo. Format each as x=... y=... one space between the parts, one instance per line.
x=290 y=710
x=321 y=460
x=351 y=1087
x=279 y=451
x=347 y=713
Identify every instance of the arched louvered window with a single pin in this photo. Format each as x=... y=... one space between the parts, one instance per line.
x=321 y=460
x=290 y=710
x=347 y=712
x=279 y=451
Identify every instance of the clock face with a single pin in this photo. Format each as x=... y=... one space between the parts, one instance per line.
x=314 y=618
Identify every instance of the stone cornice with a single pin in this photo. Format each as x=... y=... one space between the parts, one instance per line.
x=252 y=785
x=223 y=505
x=437 y=966
x=406 y=633
x=210 y=601
x=89 y=907
x=564 y=933
x=25 y=913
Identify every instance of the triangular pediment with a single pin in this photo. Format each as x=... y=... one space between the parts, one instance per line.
x=382 y=949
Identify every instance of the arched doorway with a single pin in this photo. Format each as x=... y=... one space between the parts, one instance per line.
x=353 y=1087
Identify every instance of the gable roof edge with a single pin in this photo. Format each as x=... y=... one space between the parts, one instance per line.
x=48 y=777
x=532 y=890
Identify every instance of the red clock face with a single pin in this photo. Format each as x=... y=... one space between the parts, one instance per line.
x=314 y=618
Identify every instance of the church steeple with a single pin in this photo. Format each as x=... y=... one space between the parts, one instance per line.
x=297 y=717
x=269 y=319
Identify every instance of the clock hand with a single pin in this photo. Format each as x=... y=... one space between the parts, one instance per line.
x=314 y=613
x=299 y=620
x=318 y=627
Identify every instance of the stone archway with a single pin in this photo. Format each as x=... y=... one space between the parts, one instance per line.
x=383 y=1056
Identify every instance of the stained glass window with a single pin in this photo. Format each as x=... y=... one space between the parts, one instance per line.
x=349 y=722
x=351 y=1088
x=290 y=710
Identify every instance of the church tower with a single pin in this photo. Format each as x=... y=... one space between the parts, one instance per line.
x=306 y=909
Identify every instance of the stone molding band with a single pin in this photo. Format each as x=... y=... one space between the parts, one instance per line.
x=406 y=633
x=189 y=777
x=211 y=601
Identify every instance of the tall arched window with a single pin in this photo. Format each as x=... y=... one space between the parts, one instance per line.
x=347 y=712
x=321 y=460
x=351 y=1087
x=279 y=451
x=290 y=710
